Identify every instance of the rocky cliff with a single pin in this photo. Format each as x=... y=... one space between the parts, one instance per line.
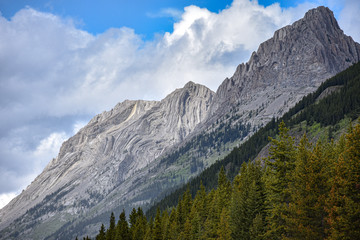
x=130 y=155
x=292 y=63
x=110 y=149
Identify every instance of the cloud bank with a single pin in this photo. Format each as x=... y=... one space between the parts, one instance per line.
x=54 y=76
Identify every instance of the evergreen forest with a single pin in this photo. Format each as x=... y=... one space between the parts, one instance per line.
x=300 y=191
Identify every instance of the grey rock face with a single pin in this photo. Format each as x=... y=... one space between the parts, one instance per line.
x=111 y=148
x=294 y=62
x=115 y=161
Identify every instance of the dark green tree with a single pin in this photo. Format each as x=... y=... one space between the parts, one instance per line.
x=122 y=228
x=247 y=202
x=138 y=230
x=280 y=166
x=101 y=235
x=111 y=232
x=157 y=231
x=343 y=204
x=309 y=190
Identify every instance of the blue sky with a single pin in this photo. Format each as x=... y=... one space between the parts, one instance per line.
x=94 y=16
x=145 y=17
x=64 y=61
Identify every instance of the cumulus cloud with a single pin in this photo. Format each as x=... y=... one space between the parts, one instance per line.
x=55 y=77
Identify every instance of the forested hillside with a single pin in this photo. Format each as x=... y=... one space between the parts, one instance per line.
x=301 y=191
x=304 y=191
x=310 y=111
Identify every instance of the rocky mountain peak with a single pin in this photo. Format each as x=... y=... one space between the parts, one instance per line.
x=305 y=53
x=321 y=14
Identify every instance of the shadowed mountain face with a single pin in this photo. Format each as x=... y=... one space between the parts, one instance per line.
x=117 y=160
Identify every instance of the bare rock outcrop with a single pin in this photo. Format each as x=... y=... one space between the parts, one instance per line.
x=294 y=62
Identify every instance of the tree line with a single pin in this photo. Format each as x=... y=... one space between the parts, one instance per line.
x=301 y=191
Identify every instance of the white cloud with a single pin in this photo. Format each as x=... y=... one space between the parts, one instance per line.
x=20 y=165
x=48 y=149
x=6 y=198
x=78 y=125
x=348 y=19
x=53 y=75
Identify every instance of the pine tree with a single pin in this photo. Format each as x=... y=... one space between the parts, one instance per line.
x=111 y=232
x=224 y=231
x=139 y=230
x=280 y=166
x=101 y=235
x=247 y=200
x=183 y=210
x=122 y=228
x=257 y=227
x=149 y=230
x=343 y=204
x=165 y=219
x=173 y=228
x=157 y=231
x=187 y=233
x=309 y=190
x=224 y=189
x=198 y=213
x=132 y=218
x=211 y=222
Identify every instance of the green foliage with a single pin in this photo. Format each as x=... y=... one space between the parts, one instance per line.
x=281 y=164
x=343 y=204
x=283 y=199
x=122 y=228
x=101 y=235
x=111 y=232
x=247 y=203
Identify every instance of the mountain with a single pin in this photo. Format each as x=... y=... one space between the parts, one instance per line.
x=136 y=152
x=293 y=62
x=324 y=114
x=317 y=127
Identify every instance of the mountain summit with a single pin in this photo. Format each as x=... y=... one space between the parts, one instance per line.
x=298 y=56
x=120 y=159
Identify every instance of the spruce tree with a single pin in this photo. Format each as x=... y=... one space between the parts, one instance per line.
x=157 y=231
x=280 y=166
x=139 y=230
x=198 y=212
x=165 y=219
x=101 y=235
x=111 y=232
x=247 y=201
x=257 y=227
x=309 y=190
x=173 y=228
x=343 y=204
x=224 y=230
x=122 y=228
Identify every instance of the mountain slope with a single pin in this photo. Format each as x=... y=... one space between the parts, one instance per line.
x=316 y=115
x=107 y=151
x=127 y=157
